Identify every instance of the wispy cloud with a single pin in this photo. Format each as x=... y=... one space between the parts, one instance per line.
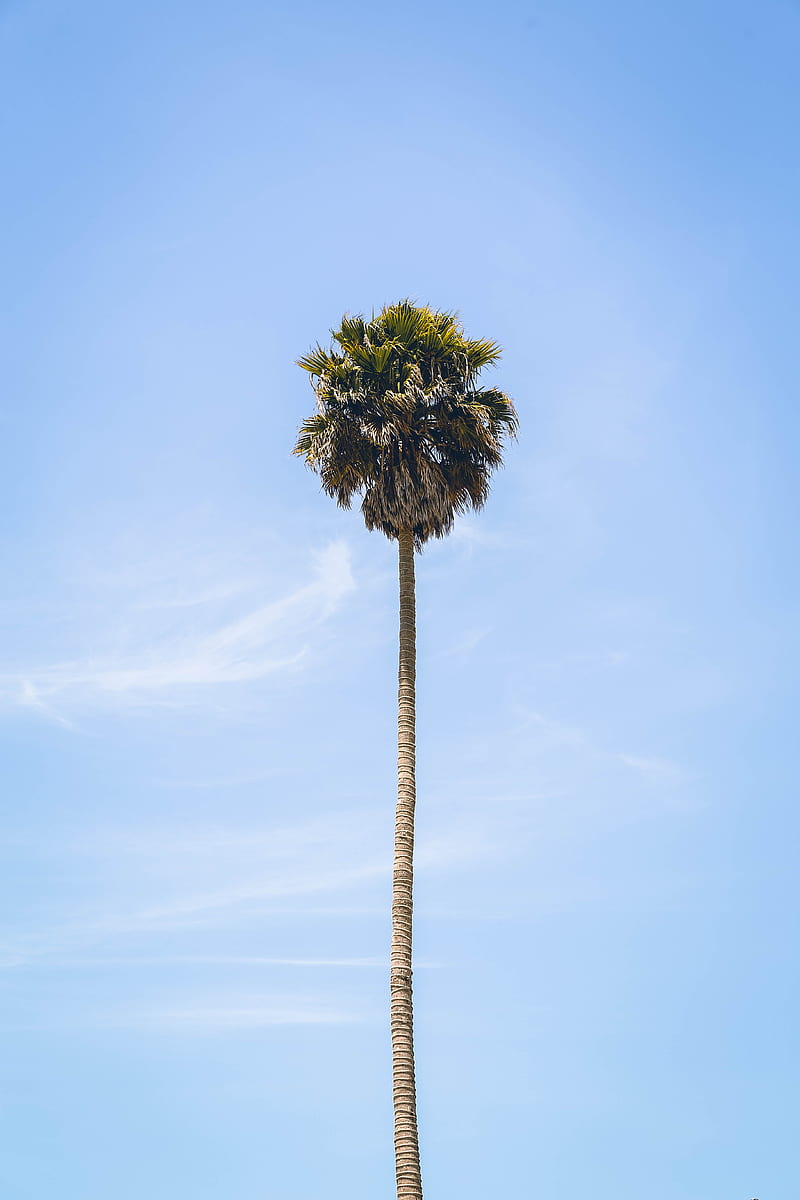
x=545 y=732
x=656 y=768
x=331 y=855
x=165 y=665
x=30 y=697
x=225 y=961
x=158 y=882
x=237 y=1014
x=252 y=1015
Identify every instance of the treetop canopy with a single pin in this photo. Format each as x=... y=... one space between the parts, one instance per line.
x=402 y=421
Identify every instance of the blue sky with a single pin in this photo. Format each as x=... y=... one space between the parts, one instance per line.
x=198 y=650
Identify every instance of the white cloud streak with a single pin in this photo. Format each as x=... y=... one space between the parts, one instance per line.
x=225 y=961
x=218 y=1017
x=167 y=666
x=655 y=768
x=322 y=859
x=156 y=883
x=253 y=1015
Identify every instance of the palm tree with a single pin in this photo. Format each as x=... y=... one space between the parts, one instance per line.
x=402 y=423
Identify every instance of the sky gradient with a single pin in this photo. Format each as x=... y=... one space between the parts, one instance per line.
x=197 y=685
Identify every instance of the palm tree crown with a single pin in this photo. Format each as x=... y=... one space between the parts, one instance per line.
x=401 y=421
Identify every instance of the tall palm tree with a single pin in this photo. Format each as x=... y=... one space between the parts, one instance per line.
x=402 y=423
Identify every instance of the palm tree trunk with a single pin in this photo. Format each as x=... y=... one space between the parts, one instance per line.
x=406 y=1142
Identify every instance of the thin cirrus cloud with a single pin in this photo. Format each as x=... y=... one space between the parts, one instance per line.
x=165 y=666
x=237 y=1014
x=156 y=885
x=251 y=1015
x=193 y=960
x=311 y=860
x=209 y=906
x=653 y=768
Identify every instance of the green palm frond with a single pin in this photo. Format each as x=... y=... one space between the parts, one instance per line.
x=318 y=361
x=351 y=332
x=481 y=354
x=403 y=322
x=381 y=356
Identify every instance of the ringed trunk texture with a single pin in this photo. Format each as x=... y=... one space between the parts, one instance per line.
x=406 y=1141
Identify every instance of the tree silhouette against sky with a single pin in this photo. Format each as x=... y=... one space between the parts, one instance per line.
x=402 y=422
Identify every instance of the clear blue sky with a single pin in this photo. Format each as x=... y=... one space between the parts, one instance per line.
x=197 y=684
